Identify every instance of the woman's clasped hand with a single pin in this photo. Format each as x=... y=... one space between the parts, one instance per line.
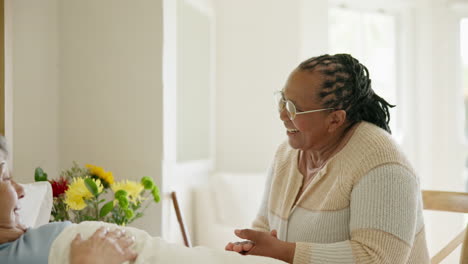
x=115 y=245
x=259 y=243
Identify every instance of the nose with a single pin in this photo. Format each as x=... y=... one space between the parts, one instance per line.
x=19 y=189
x=283 y=115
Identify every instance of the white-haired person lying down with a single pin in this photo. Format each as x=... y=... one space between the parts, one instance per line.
x=90 y=242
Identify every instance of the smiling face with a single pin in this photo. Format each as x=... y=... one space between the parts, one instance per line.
x=310 y=131
x=10 y=193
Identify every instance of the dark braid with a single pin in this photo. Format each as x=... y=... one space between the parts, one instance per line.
x=347 y=86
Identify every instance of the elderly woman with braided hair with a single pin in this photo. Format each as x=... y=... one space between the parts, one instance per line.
x=340 y=190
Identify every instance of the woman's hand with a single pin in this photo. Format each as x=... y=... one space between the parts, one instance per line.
x=240 y=247
x=102 y=247
x=268 y=245
x=244 y=247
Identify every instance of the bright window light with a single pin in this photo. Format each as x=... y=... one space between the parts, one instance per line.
x=371 y=38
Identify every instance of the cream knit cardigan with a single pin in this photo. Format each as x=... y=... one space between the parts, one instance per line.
x=363 y=206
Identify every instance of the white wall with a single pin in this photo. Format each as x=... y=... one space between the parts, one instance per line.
x=439 y=113
x=314 y=28
x=194 y=74
x=87 y=87
x=439 y=99
x=258 y=45
x=34 y=87
x=111 y=89
x=8 y=15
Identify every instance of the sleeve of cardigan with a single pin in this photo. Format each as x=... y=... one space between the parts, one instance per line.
x=383 y=221
x=261 y=221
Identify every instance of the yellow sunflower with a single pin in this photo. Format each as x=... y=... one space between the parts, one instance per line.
x=131 y=187
x=106 y=176
x=78 y=193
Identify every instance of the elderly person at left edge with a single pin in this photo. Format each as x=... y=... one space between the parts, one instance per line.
x=21 y=245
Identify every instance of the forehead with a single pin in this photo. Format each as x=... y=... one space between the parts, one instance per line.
x=303 y=86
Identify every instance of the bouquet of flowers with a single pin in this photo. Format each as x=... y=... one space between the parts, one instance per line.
x=90 y=194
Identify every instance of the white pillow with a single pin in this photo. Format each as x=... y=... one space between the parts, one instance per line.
x=237 y=197
x=36 y=205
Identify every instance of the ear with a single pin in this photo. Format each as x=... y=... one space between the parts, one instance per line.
x=335 y=120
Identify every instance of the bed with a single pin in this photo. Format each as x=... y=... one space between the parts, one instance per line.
x=35 y=211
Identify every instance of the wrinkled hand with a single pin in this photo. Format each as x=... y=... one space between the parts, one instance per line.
x=244 y=247
x=267 y=245
x=103 y=247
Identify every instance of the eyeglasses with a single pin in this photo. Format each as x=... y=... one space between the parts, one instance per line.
x=291 y=108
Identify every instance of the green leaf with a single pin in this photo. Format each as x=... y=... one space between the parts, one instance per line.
x=135 y=206
x=91 y=185
x=106 y=209
x=147 y=182
x=40 y=175
x=120 y=193
x=129 y=213
x=155 y=193
x=123 y=202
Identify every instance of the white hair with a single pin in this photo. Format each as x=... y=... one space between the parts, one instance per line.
x=3 y=147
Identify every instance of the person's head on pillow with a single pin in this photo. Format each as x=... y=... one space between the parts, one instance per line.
x=10 y=193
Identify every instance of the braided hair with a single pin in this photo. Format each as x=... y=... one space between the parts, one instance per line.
x=347 y=86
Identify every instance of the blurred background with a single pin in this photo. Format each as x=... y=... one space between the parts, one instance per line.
x=182 y=90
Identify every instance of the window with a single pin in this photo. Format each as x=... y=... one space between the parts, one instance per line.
x=371 y=37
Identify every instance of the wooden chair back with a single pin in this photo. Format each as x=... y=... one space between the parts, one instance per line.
x=448 y=202
x=180 y=219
